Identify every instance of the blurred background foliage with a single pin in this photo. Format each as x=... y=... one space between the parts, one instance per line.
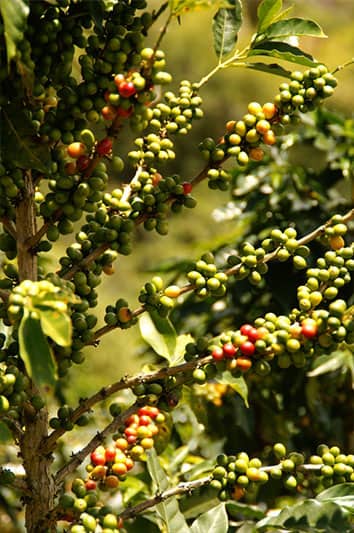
x=190 y=55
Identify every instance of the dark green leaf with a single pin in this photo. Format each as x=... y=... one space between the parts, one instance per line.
x=214 y=520
x=226 y=24
x=5 y=433
x=168 y=510
x=294 y=26
x=56 y=325
x=14 y=14
x=20 y=146
x=159 y=333
x=239 y=385
x=270 y=68
x=237 y=509
x=267 y=12
x=35 y=351
x=282 y=51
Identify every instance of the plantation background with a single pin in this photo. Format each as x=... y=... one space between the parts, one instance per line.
x=190 y=55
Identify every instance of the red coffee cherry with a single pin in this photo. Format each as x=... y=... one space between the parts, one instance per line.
x=309 y=328
x=229 y=350
x=187 y=187
x=104 y=147
x=247 y=348
x=218 y=353
x=127 y=89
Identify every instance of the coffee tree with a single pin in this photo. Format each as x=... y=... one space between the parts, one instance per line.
x=253 y=341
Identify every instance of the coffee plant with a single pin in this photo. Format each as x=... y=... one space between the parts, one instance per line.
x=251 y=343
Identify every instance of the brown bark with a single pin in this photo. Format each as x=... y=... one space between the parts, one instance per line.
x=41 y=489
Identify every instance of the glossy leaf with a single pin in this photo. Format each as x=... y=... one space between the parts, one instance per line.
x=20 y=146
x=342 y=495
x=56 y=325
x=159 y=333
x=293 y=27
x=239 y=385
x=282 y=51
x=270 y=68
x=312 y=514
x=267 y=12
x=226 y=24
x=237 y=509
x=35 y=351
x=14 y=14
x=168 y=510
x=214 y=520
x=329 y=363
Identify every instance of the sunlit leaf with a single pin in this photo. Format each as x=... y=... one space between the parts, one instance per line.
x=329 y=363
x=226 y=25
x=283 y=51
x=293 y=27
x=159 y=333
x=56 y=325
x=168 y=510
x=14 y=14
x=35 y=351
x=214 y=520
x=239 y=385
x=266 y=13
x=342 y=494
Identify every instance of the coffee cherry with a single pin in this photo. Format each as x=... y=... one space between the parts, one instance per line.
x=229 y=350
x=247 y=348
x=309 y=328
x=76 y=149
x=126 y=89
x=104 y=147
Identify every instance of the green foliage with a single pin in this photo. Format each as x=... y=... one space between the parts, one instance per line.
x=226 y=25
x=14 y=15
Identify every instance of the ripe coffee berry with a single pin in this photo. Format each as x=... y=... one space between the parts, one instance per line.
x=309 y=329
x=104 y=147
x=76 y=149
x=187 y=187
x=127 y=89
x=229 y=350
x=247 y=348
x=217 y=353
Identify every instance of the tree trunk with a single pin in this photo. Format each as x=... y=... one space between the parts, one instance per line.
x=41 y=490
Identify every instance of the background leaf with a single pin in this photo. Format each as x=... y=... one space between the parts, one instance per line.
x=214 y=520
x=342 y=495
x=226 y=24
x=329 y=363
x=267 y=12
x=35 y=351
x=56 y=325
x=168 y=510
x=159 y=333
x=20 y=147
x=283 y=51
x=239 y=385
x=14 y=14
x=294 y=26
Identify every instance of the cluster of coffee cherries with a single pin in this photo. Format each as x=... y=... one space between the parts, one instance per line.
x=153 y=298
x=244 y=138
x=119 y=315
x=206 y=279
x=14 y=385
x=109 y=465
x=238 y=476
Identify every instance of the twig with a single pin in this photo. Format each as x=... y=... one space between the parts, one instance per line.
x=9 y=226
x=49 y=442
x=78 y=457
x=86 y=260
x=16 y=482
x=182 y=488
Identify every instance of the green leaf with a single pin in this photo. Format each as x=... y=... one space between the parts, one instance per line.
x=214 y=520
x=270 y=68
x=342 y=495
x=20 y=145
x=56 y=325
x=267 y=12
x=324 y=515
x=329 y=363
x=5 y=433
x=235 y=509
x=159 y=333
x=35 y=351
x=132 y=486
x=282 y=51
x=226 y=24
x=181 y=342
x=14 y=14
x=239 y=385
x=293 y=27
x=168 y=510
